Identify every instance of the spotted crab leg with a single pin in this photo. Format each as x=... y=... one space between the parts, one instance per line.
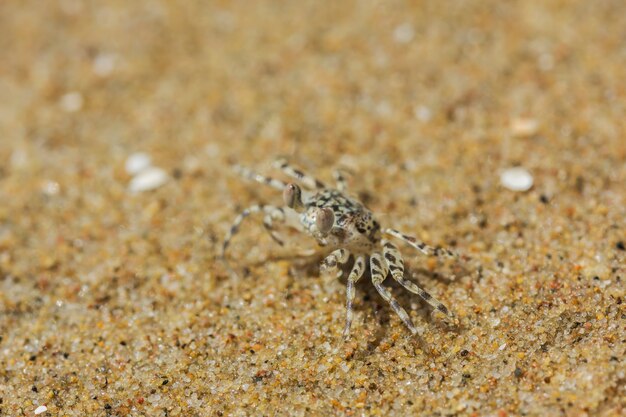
x=277 y=215
x=421 y=246
x=393 y=258
x=357 y=272
x=271 y=213
x=253 y=176
x=379 y=272
x=340 y=179
x=307 y=180
x=331 y=263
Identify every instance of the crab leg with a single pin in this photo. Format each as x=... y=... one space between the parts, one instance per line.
x=331 y=262
x=396 y=266
x=272 y=213
x=421 y=246
x=253 y=176
x=379 y=272
x=340 y=179
x=357 y=272
x=307 y=180
x=268 y=222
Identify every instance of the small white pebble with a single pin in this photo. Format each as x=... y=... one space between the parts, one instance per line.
x=605 y=283
x=148 y=179
x=502 y=347
x=404 y=33
x=422 y=113
x=212 y=150
x=71 y=102
x=51 y=188
x=384 y=109
x=546 y=62
x=104 y=64
x=516 y=179
x=19 y=158
x=225 y=20
x=524 y=127
x=137 y=162
x=41 y=409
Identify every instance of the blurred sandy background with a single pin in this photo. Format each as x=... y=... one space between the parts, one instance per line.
x=112 y=301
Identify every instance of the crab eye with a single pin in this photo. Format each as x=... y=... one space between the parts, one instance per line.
x=324 y=220
x=292 y=196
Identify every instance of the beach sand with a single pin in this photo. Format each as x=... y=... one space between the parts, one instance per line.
x=113 y=300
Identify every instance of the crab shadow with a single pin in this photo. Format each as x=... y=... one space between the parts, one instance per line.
x=373 y=305
x=369 y=302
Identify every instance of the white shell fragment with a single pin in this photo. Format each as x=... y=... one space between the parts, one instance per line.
x=148 y=179
x=516 y=179
x=524 y=127
x=41 y=409
x=50 y=188
x=104 y=64
x=422 y=113
x=403 y=33
x=72 y=102
x=137 y=162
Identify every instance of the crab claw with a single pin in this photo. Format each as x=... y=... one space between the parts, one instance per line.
x=324 y=220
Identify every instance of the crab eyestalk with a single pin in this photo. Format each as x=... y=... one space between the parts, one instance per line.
x=324 y=220
x=292 y=196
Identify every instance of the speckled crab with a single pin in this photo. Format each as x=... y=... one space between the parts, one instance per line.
x=346 y=228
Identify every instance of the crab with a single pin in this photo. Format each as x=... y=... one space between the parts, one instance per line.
x=346 y=229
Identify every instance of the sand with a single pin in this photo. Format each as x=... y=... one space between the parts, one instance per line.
x=113 y=300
